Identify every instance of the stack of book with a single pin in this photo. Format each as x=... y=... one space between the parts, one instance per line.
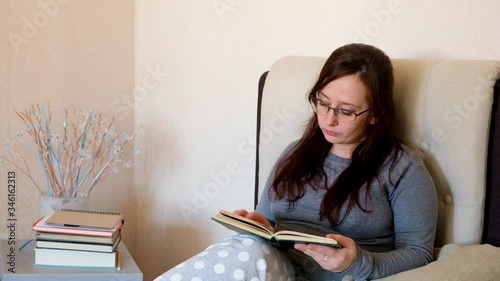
x=78 y=238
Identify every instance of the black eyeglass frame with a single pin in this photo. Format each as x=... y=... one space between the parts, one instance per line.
x=336 y=111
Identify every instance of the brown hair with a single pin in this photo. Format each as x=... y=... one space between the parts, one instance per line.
x=304 y=163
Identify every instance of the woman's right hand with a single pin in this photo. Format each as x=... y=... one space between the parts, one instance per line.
x=254 y=216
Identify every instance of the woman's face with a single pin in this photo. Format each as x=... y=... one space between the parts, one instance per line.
x=344 y=130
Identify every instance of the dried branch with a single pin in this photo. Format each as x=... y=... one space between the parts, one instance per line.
x=89 y=150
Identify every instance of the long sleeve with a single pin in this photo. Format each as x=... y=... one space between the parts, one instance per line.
x=414 y=205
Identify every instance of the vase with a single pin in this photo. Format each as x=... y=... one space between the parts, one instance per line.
x=49 y=204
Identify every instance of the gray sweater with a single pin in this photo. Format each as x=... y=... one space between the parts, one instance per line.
x=396 y=235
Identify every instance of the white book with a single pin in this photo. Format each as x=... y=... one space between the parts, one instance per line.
x=77 y=246
x=57 y=257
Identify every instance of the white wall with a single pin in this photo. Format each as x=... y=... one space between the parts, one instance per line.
x=205 y=106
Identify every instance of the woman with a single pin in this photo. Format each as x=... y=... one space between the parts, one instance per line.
x=347 y=178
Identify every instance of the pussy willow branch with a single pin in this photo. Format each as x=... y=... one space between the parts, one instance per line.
x=97 y=156
x=33 y=120
x=26 y=172
x=76 y=161
x=98 y=177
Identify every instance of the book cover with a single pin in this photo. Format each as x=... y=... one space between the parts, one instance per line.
x=78 y=246
x=57 y=257
x=85 y=219
x=48 y=236
x=279 y=238
x=42 y=226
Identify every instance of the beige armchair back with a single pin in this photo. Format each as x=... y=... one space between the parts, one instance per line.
x=444 y=110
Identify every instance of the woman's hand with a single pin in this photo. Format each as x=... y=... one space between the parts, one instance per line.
x=254 y=216
x=329 y=258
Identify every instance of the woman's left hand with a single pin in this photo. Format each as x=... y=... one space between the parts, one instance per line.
x=329 y=258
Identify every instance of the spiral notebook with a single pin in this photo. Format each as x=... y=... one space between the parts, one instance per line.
x=79 y=218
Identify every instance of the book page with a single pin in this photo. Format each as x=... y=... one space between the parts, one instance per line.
x=241 y=227
x=247 y=221
x=305 y=238
x=246 y=225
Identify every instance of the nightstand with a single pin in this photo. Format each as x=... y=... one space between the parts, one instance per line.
x=23 y=264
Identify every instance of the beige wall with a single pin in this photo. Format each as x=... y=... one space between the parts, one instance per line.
x=202 y=117
x=66 y=52
x=3 y=72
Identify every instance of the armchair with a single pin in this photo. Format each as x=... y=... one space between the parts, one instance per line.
x=448 y=111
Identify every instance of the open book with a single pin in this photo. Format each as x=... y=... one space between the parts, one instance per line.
x=279 y=238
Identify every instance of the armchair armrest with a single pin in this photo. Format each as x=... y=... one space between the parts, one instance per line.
x=457 y=262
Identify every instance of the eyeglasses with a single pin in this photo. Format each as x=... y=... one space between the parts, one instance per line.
x=321 y=108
